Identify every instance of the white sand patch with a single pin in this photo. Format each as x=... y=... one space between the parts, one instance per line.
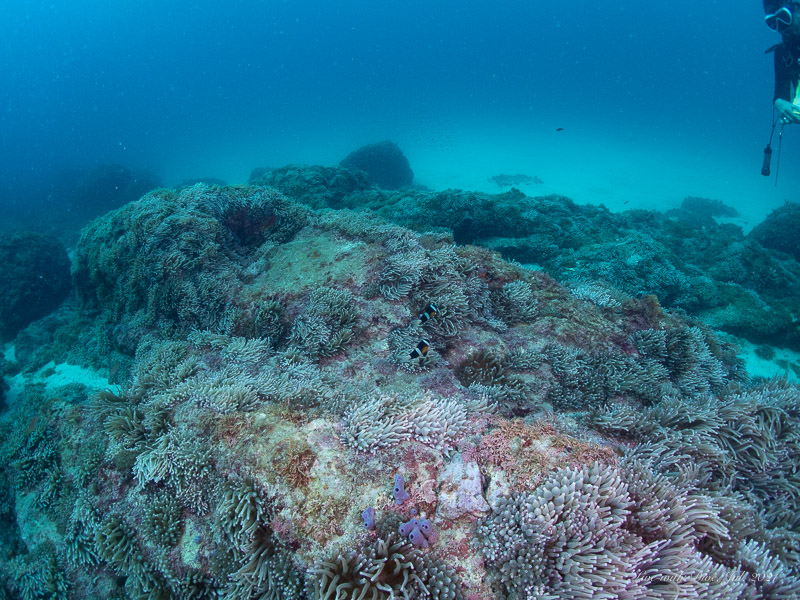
x=761 y=367
x=54 y=376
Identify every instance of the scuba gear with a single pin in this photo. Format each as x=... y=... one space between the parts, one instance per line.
x=780 y=19
x=767 y=161
x=765 y=170
x=780 y=143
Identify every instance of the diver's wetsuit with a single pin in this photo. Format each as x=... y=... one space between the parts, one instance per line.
x=787 y=70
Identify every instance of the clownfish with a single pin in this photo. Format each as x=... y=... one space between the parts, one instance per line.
x=420 y=350
x=428 y=313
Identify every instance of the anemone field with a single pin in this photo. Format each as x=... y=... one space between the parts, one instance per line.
x=281 y=355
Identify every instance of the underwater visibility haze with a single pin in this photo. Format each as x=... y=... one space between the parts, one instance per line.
x=657 y=102
x=304 y=300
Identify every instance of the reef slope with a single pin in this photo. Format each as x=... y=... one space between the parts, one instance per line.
x=281 y=369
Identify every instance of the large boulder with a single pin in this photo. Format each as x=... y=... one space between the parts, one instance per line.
x=385 y=164
x=34 y=279
x=104 y=188
x=779 y=231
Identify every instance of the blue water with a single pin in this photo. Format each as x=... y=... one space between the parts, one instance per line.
x=657 y=100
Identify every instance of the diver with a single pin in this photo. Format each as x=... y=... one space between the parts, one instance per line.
x=784 y=17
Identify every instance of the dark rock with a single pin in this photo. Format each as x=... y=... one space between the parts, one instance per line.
x=701 y=212
x=258 y=173
x=34 y=279
x=3 y=385
x=60 y=204
x=706 y=206
x=765 y=352
x=105 y=188
x=384 y=163
x=33 y=345
x=780 y=230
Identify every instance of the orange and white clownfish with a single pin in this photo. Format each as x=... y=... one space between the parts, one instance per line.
x=420 y=350
x=428 y=313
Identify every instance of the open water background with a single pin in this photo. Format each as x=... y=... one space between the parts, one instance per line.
x=657 y=100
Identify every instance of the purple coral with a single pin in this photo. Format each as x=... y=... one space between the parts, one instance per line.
x=417 y=539
x=400 y=494
x=369 y=518
x=409 y=526
x=420 y=532
x=426 y=527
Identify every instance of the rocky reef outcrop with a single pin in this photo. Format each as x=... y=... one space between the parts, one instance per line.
x=285 y=368
x=779 y=231
x=689 y=257
x=34 y=279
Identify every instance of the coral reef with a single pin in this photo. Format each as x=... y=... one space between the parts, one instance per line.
x=162 y=519
x=622 y=532
x=314 y=185
x=189 y=266
x=385 y=421
x=703 y=210
x=389 y=568
x=779 y=230
x=282 y=367
x=689 y=257
x=204 y=180
x=744 y=442
x=326 y=325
